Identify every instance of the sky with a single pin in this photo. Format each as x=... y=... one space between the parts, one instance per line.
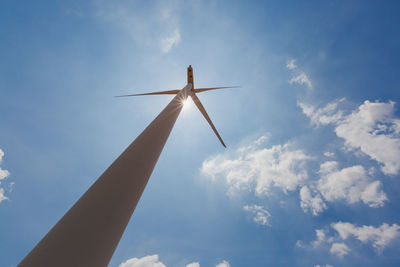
x=311 y=172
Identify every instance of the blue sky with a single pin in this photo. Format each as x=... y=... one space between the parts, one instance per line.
x=311 y=173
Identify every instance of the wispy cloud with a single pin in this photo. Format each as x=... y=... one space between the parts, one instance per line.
x=156 y=27
x=290 y=64
x=299 y=76
x=301 y=79
x=325 y=115
x=260 y=215
x=329 y=154
x=168 y=42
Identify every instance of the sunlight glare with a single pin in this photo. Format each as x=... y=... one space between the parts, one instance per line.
x=187 y=105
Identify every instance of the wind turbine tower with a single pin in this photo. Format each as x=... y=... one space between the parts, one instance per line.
x=88 y=234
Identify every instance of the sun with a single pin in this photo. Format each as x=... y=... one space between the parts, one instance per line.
x=187 y=105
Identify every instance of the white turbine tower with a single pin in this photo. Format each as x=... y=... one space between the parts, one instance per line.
x=88 y=234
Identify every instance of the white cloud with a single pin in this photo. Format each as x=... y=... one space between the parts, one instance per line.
x=260 y=215
x=324 y=115
x=153 y=261
x=256 y=167
x=302 y=78
x=300 y=244
x=328 y=167
x=372 y=128
x=309 y=203
x=340 y=249
x=223 y=264
x=379 y=237
x=168 y=42
x=2 y=196
x=290 y=64
x=352 y=184
x=321 y=237
x=3 y=173
x=329 y=154
x=147 y=261
x=326 y=265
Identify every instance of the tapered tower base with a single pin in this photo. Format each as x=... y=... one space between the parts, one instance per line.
x=88 y=234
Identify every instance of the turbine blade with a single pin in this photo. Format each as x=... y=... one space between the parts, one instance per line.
x=199 y=90
x=170 y=92
x=196 y=100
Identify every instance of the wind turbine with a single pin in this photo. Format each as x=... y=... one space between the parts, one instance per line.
x=192 y=92
x=88 y=234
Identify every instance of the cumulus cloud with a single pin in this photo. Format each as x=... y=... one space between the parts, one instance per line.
x=290 y=64
x=339 y=249
x=254 y=167
x=302 y=78
x=3 y=174
x=223 y=264
x=260 y=215
x=372 y=128
x=314 y=204
x=147 y=261
x=153 y=261
x=379 y=237
x=352 y=184
x=326 y=265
